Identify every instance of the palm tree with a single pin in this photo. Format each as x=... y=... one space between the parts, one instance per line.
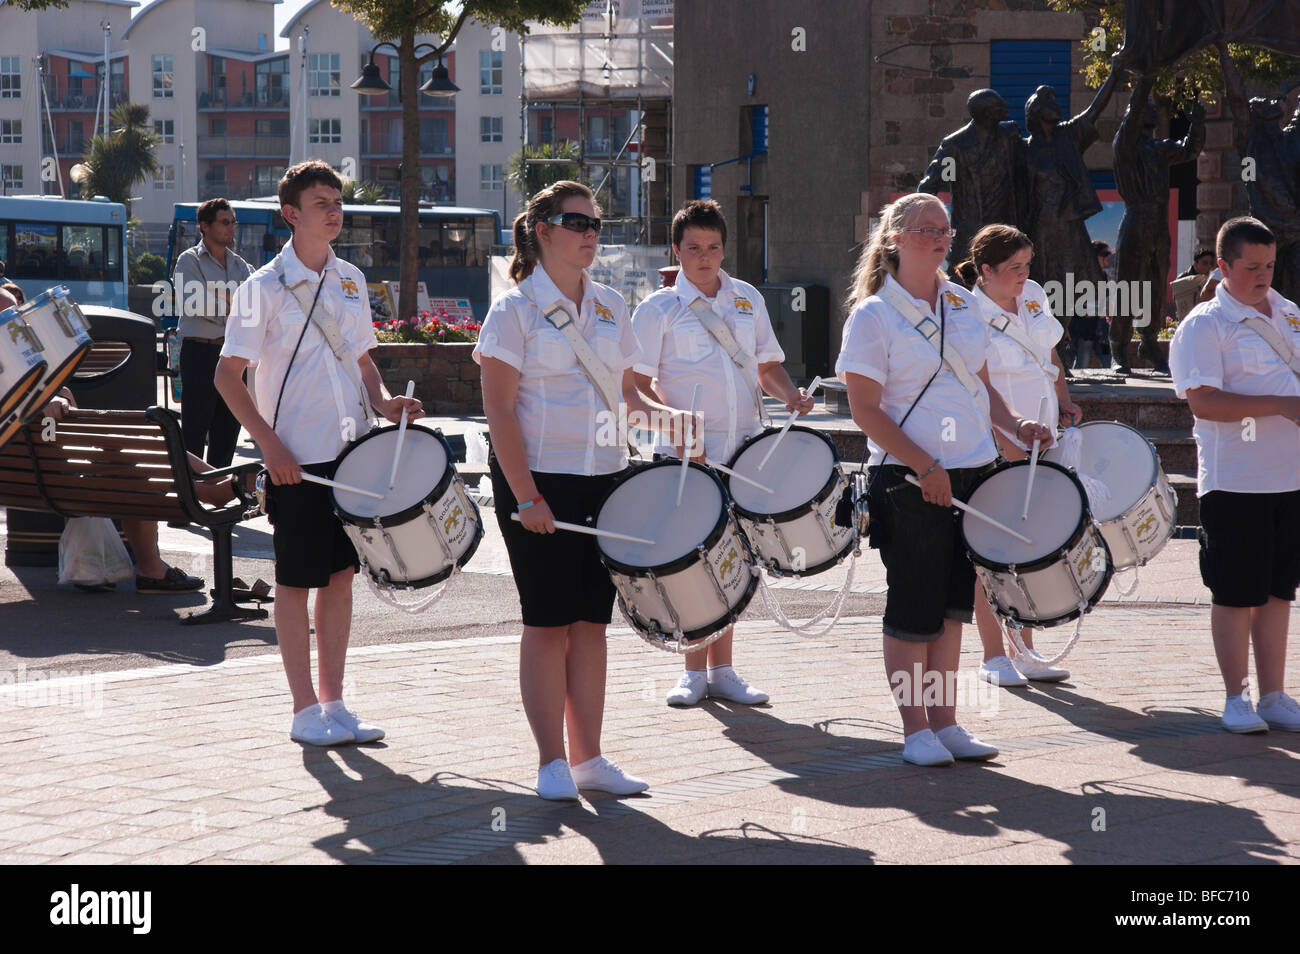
x=124 y=158
x=362 y=192
x=531 y=178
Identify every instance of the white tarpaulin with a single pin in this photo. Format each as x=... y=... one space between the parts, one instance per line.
x=620 y=48
x=631 y=270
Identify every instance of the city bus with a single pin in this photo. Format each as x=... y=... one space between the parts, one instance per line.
x=455 y=244
x=48 y=240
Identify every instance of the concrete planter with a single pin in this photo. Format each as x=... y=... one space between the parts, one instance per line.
x=445 y=375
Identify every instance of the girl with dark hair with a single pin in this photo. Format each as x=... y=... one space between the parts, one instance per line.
x=1024 y=367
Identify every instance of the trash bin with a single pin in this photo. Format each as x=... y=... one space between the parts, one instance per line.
x=801 y=318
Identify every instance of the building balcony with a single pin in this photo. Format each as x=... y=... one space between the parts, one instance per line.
x=390 y=147
x=390 y=101
x=220 y=189
x=222 y=98
x=252 y=147
x=80 y=101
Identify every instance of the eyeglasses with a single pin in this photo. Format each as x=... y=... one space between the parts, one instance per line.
x=575 y=222
x=934 y=233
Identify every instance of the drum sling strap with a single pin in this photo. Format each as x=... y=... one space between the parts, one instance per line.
x=721 y=333
x=927 y=329
x=1013 y=330
x=1275 y=341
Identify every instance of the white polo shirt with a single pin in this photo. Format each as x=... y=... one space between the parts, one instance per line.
x=322 y=408
x=948 y=422
x=1212 y=348
x=1014 y=374
x=679 y=353
x=567 y=428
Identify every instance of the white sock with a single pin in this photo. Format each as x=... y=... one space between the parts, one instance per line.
x=695 y=672
x=718 y=669
x=308 y=710
x=1275 y=694
x=1237 y=696
x=909 y=738
x=334 y=705
x=590 y=763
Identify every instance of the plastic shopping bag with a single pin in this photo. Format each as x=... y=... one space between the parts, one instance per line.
x=91 y=552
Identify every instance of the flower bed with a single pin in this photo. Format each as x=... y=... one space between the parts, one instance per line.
x=427 y=328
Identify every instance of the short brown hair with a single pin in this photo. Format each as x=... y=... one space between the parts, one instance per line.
x=14 y=290
x=700 y=214
x=303 y=176
x=991 y=246
x=207 y=213
x=1240 y=231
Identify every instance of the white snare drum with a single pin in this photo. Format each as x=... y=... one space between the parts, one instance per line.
x=792 y=529
x=683 y=592
x=425 y=527
x=63 y=339
x=21 y=364
x=1067 y=568
x=1138 y=519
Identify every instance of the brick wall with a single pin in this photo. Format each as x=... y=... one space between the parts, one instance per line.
x=445 y=375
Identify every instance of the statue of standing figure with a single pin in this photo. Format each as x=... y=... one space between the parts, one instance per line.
x=1142 y=177
x=982 y=165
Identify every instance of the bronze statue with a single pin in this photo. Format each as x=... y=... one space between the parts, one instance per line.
x=983 y=166
x=1158 y=33
x=1142 y=176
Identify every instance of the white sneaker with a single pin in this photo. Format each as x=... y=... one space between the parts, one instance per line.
x=555 y=782
x=726 y=683
x=1026 y=667
x=602 y=775
x=1280 y=711
x=963 y=745
x=1001 y=671
x=315 y=726
x=924 y=748
x=1240 y=716
x=362 y=732
x=690 y=689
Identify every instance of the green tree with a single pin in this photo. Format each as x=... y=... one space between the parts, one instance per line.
x=534 y=168
x=122 y=159
x=399 y=22
x=362 y=192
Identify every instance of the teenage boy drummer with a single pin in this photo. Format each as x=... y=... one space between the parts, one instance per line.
x=309 y=406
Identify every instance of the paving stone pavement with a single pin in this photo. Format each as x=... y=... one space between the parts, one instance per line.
x=1124 y=763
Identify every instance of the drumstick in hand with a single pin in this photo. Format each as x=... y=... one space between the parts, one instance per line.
x=401 y=436
x=1033 y=461
x=816 y=383
x=592 y=531
x=911 y=479
x=690 y=441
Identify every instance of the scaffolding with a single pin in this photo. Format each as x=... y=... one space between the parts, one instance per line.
x=609 y=81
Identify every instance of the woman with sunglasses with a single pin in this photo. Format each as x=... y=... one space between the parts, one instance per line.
x=928 y=419
x=997 y=273
x=553 y=459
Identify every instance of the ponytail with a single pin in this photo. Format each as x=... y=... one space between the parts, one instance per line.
x=879 y=257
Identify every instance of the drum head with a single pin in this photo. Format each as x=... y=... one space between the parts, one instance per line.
x=796 y=473
x=1119 y=457
x=644 y=504
x=1055 y=513
x=367 y=464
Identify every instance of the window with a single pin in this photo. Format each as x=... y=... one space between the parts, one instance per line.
x=83 y=253
x=11 y=177
x=1017 y=67
x=489 y=129
x=11 y=77
x=216 y=127
x=545 y=129
x=272 y=82
x=261 y=41
x=492 y=178
x=267 y=179
x=166 y=178
x=433 y=136
x=271 y=127
x=490 y=73
x=11 y=130
x=36 y=246
x=323 y=77
x=326 y=131
x=702 y=181
x=165 y=130
x=162 y=77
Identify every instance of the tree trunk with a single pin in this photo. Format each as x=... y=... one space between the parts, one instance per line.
x=409 y=85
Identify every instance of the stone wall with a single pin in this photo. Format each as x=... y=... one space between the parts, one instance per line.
x=445 y=375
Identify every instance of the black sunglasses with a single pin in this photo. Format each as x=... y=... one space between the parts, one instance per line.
x=575 y=222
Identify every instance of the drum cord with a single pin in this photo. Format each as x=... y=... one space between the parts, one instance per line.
x=836 y=605
x=386 y=593
x=1012 y=631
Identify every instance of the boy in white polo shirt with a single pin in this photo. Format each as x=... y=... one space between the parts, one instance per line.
x=677 y=353
x=1225 y=360
x=309 y=407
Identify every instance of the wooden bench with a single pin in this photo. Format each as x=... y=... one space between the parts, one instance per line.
x=124 y=464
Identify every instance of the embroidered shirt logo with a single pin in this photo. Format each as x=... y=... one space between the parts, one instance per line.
x=954 y=300
x=603 y=313
x=350 y=291
x=1293 y=321
x=743 y=306
x=1033 y=307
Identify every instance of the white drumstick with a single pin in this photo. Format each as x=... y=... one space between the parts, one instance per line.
x=326 y=482
x=690 y=441
x=1033 y=461
x=816 y=383
x=401 y=436
x=592 y=531
x=731 y=473
x=911 y=478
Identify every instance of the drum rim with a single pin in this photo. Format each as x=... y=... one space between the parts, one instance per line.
x=1157 y=467
x=1074 y=613
x=685 y=559
x=441 y=574
x=1085 y=519
x=822 y=567
x=43 y=393
x=12 y=401
x=803 y=508
x=731 y=616
x=402 y=516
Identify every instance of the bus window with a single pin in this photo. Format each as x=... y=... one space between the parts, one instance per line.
x=36 y=250
x=485 y=235
x=457 y=243
x=83 y=253
x=113 y=256
x=248 y=241
x=4 y=241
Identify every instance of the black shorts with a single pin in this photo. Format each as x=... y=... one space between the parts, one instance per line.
x=929 y=575
x=1250 y=546
x=310 y=545
x=559 y=575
